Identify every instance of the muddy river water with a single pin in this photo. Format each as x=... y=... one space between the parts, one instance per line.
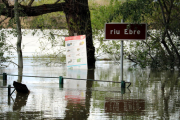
x=153 y=95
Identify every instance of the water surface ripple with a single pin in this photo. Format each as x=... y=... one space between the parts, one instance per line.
x=153 y=95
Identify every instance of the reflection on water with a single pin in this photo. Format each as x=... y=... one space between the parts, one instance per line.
x=20 y=101
x=152 y=95
x=125 y=107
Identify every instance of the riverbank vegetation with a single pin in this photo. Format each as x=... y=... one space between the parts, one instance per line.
x=160 y=50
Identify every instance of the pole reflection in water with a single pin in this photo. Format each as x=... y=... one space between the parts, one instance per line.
x=121 y=106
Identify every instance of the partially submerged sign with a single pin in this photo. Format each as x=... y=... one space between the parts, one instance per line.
x=123 y=31
x=76 y=55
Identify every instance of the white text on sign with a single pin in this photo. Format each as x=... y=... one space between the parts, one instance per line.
x=126 y=32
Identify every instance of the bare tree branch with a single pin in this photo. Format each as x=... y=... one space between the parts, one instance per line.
x=12 y=62
x=35 y=10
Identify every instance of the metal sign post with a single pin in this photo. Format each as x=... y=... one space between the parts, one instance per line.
x=121 y=61
x=124 y=31
x=123 y=84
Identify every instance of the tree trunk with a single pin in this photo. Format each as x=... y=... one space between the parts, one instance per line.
x=20 y=71
x=19 y=35
x=78 y=20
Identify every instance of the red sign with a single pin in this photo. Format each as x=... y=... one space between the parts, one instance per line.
x=122 y=31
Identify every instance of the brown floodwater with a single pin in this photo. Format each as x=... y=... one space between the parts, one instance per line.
x=153 y=95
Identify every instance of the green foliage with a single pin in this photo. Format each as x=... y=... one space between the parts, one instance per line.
x=152 y=52
x=130 y=11
x=135 y=11
x=104 y=14
x=48 y=21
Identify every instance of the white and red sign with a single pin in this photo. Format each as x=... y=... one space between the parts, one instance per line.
x=123 y=31
x=76 y=55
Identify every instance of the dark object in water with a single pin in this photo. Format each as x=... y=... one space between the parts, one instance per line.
x=20 y=88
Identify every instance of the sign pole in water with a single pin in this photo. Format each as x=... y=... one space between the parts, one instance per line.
x=121 y=74
x=121 y=61
x=125 y=31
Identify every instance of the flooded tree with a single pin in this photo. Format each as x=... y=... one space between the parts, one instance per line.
x=78 y=19
x=77 y=16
